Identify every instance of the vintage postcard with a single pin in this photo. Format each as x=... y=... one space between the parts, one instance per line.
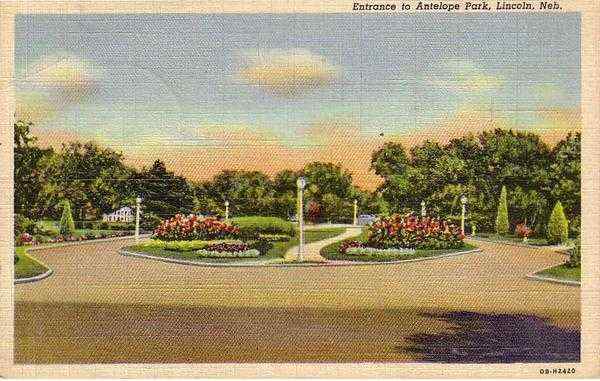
x=300 y=189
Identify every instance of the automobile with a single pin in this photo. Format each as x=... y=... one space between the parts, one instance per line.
x=366 y=219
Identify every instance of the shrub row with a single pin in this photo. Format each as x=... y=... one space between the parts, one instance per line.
x=255 y=226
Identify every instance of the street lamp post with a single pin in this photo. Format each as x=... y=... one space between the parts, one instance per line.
x=301 y=183
x=463 y=201
x=226 y=211
x=138 y=202
x=423 y=212
x=355 y=216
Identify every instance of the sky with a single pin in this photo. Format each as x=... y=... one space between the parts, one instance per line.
x=273 y=91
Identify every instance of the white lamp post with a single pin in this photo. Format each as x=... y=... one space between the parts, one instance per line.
x=138 y=202
x=226 y=210
x=423 y=209
x=463 y=200
x=355 y=218
x=301 y=183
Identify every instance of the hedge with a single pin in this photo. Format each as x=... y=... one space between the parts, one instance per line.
x=254 y=226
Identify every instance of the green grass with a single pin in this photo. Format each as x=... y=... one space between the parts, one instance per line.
x=510 y=238
x=563 y=272
x=275 y=254
x=332 y=252
x=27 y=267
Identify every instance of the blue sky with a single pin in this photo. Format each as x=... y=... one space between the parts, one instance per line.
x=140 y=82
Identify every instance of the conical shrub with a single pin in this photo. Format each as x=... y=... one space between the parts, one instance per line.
x=67 y=226
x=502 y=225
x=557 y=230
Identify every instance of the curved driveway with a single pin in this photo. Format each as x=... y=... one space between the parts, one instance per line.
x=99 y=306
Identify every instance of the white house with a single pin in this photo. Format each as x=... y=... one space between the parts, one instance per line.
x=125 y=214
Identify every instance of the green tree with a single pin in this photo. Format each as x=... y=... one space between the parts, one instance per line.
x=565 y=175
x=391 y=159
x=91 y=177
x=502 y=224
x=164 y=193
x=557 y=230
x=30 y=165
x=67 y=226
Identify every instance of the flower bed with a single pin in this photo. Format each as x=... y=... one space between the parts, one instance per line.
x=249 y=253
x=188 y=228
x=409 y=231
x=378 y=253
x=180 y=245
x=26 y=239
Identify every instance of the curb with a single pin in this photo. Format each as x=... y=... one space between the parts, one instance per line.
x=127 y=253
x=541 y=278
x=33 y=278
x=334 y=262
x=87 y=242
x=330 y=263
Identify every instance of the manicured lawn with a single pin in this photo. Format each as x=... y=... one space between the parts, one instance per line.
x=509 y=238
x=332 y=252
x=563 y=272
x=26 y=266
x=275 y=254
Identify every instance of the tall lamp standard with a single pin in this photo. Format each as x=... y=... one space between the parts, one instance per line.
x=138 y=202
x=423 y=212
x=301 y=183
x=463 y=201
x=355 y=216
x=226 y=210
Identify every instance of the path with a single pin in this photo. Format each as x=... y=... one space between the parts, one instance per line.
x=311 y=252
x=100 y=306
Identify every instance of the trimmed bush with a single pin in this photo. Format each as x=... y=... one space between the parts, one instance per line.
x=23 y=225
x=557 y=230
x=274 y=237
x=67 y=226
x=502 y=225
x=254 y=226
x=575 y=255
x=263 y=246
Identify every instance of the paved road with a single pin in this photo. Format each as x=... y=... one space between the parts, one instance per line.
x=100 y=306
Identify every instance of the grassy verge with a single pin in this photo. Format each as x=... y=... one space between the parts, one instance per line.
x=276 y=253
x=562 y=272
x=332 y=252
x=509 y=238
x=26 y=266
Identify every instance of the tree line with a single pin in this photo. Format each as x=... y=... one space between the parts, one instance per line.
x=95 y=180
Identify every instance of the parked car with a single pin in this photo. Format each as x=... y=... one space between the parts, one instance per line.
x=366 y=219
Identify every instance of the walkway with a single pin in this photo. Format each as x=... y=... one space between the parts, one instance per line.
x=311 y=252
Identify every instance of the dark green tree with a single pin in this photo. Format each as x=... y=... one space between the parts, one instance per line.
x=164 y=193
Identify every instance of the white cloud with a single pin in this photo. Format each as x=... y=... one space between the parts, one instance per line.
x=288 y=73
